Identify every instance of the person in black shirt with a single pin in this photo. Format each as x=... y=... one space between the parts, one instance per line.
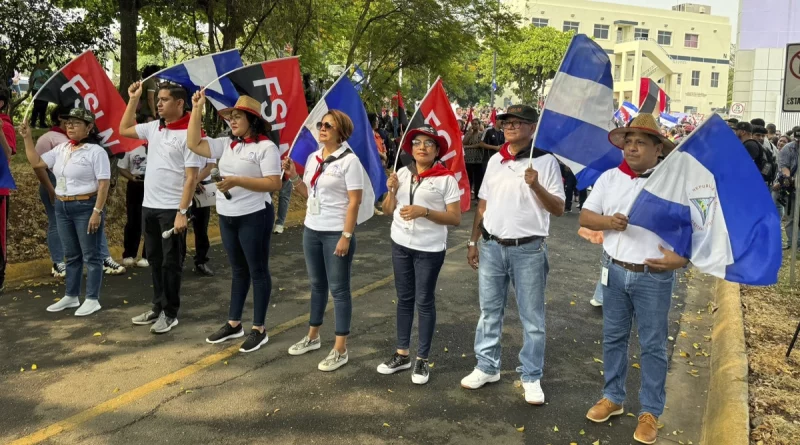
x=744 y=131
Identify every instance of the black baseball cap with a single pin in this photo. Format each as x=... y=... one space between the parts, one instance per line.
x=524 y=112
x=744 y=126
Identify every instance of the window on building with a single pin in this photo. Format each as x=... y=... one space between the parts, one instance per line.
x=641 y=34
x=680 y=77
x=691 y=41
x=695 y=78
x=539 y=22
x=601 y=32
x=714 y=80
x=660 y=80
x=571 y=26
x=665 y=38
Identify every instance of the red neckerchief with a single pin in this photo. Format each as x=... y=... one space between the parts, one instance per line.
x=58 y=129
x=505 y=154
x=180 y=124
x=437 y=170
x=258 y=139
x=625 y=168
x=73 y=143
x=318 y=172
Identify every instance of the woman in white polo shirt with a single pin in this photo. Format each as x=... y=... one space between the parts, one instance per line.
x=82 y=173
x=250 y=167
x=425 y=199
x=333 y=182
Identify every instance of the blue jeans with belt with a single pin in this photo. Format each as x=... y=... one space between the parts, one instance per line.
x=525 y=267
x=647 y=297
x=81 y=247
x=327 y=271
x=53 y=240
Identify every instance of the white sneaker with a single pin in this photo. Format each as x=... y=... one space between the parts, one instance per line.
x=305 y=345
x=143 y=263
x=533 y=392
x=478 y=378
x=87 y=308
x=595 y=303
x=64 y=303
x=333 y=361
x=128 y=262
x=278 y=228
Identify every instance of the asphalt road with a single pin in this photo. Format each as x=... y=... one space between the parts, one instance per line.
x=101 y=380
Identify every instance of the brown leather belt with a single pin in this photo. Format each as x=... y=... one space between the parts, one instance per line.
x=76 y=197
x=630 y=266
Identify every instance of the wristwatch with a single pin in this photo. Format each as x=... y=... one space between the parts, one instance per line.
x=183 y=211
x=347 y=235
x=98 y=211
x=471 y=243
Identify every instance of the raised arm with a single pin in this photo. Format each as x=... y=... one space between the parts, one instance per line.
x=194 y=137
x=30 y=150
x=127 y=126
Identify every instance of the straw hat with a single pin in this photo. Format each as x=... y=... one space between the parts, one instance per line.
x=246 y=104
x=644 y=123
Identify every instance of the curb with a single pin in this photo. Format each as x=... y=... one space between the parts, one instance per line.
x=18 y=273
x=727 y=414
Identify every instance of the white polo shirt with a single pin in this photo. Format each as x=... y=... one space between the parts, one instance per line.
x=135 y=161
x=81 y=168
x=512 y=209
x=345 y=174
x=253 y=160
x=433 y=193
x=614 y=192
x=168 y=158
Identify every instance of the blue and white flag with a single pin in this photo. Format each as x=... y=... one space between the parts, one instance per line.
x=197 y=73
x=342 y=96
x=626 y=112
x=708 y=201
x=358 y=79
x=579 y=111
x=668 y=120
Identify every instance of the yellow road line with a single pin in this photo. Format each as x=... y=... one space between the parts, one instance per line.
x=140 y=392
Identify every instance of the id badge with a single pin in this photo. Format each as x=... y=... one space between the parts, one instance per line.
x=604 y=276
x=313 y=205
x=61 y=184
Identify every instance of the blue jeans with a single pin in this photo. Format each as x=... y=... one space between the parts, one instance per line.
x=598 y=292
x=80 y=247
x=246 y=241
x=647 y=296
x=525 y=266
x=327 y=271
x=415 y=275
x=283 y=202
x=53 y=240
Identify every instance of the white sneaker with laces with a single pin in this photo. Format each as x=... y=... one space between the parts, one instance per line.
x=278 y=229
x=533 y=392
x=64 y=303
x=88 y=307
x=478 y=378
x=143 y=263
x=128 y=262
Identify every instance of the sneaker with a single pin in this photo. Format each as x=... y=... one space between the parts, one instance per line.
x=603 y=410
x=163 y=324
x=128 y=262
x=88 y=307
x=533 y=392
x=59 y=270
x=595 y=303
x=203 y=270
x=254 y=341
x=421 y=372
x=64 y=303
x=379 y=212
x=478 y=378
x=111 y=267
x=143 y=263
x=148 y=317
x=396 y=363
x=647 y=430
x=226 y=332
x=278 y=229
x=305 y=345
x=333 y=361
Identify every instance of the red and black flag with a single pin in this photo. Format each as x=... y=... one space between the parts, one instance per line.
x=652 y=98
x=278 y=86
x=402 y=117
x=83 y=83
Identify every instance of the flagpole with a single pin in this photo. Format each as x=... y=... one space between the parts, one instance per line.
x=30 y=105
x=417 y=110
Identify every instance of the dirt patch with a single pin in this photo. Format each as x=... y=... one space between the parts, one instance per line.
x=770 y=317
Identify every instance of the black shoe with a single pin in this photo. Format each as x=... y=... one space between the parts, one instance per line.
x=203 y=270
x=421 y=372
x=226 y=332
x=396 y=363
x=254 y=341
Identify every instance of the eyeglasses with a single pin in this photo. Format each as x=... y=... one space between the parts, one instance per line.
x=326 y=125
x=428 y=143
x=512 y=124
x=74 y=123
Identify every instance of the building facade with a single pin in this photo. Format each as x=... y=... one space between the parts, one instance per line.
x=685 y=50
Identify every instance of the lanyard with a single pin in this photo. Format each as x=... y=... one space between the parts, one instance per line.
x=66 y=158
x=324 y=164
x=413 y=190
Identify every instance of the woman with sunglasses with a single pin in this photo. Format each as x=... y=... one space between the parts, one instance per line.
x=333 y=183
x=424 y=198
x=250 y=166
x=82 y=171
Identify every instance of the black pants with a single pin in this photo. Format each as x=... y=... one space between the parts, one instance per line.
x=133 y=227
x=39 y=112
x=3 y=239
x=570 y=184
x=166 y=259
x=582 y=195
x=475 y=173
x=200 y=226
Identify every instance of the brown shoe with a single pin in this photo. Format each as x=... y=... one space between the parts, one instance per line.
x=647 y=431
x=603 y=410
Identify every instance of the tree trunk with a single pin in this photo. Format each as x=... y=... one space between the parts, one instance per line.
x=128 y=21
x=212 y=47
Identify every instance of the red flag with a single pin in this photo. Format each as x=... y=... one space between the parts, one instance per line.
x=651 y=97
x=468 y=121
x=402 y=117
x=435 y=110
x=83 y=83
x=493 y=117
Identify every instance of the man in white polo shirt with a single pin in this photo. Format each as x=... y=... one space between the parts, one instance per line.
x=637 y=277
x=168 y=190
x=522 y=187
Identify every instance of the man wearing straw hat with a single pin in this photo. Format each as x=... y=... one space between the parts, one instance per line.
x=637 y=277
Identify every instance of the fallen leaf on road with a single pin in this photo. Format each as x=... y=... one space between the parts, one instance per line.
x=463 y=355
x=188 y=391
x=445 y=349
x=225 y=362
x=37 y=296
x=21 y=369
x=555 y=428
x=34 y=367
x=56 y=299
x=636 y=365
x=116 y=390
x=631 y=415
x=276 y=410
x=597 y=360
x=280 y=289
x=582 y=432
x=390 y=390
x=520 y=428
x=394 y=302
x=684 y=334
x=597 y=442
x=430 y=365
x=124 y=301
x=696 y=345
x=572 y=303
x=386 y=425
x=97 y=334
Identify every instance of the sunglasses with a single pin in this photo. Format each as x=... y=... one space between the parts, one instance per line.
x=428 y=143
x=326 y=125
